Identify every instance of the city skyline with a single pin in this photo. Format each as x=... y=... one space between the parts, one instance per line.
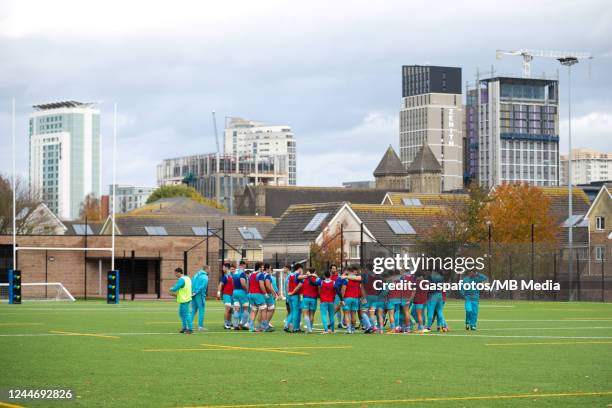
x=339 y=86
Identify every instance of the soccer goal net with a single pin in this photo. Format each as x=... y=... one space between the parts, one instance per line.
x=36 y=291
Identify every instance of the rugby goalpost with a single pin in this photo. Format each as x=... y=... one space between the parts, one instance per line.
x=61 y=290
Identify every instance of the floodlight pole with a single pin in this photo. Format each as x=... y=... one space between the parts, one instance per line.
x=568 y=62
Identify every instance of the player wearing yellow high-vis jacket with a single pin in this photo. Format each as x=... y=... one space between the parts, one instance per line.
x=182 y=291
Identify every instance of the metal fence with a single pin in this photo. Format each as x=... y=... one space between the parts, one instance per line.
x=588 y=279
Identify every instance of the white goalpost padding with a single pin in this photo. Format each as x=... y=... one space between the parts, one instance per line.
x=280 y=282
x=39 y=291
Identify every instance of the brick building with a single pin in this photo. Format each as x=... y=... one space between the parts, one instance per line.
x=153 y=263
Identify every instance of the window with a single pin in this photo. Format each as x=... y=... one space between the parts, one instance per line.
x=401 y=227
x=600 y=223
x=411 y=202
x=354 y=250
x=249 y=233
x=156 y=231
x=316 y=221
x=82 y=229
x=201 y=231
x=600 y=253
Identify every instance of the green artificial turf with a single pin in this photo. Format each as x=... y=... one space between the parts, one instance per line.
x=571 y=355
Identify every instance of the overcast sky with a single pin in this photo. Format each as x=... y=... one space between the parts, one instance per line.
x=329 y=69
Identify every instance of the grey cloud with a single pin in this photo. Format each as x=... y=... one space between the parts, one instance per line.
x=332 y=72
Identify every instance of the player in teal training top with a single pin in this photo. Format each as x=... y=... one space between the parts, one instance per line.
x=472 y=298
x=199 y=287
x=435 y=304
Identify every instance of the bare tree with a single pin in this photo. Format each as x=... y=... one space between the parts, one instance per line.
x=26 y=202
x=90 y=208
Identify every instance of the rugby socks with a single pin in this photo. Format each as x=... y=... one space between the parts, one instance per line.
x=245 y=315
x=308 y=323
x=365 y=321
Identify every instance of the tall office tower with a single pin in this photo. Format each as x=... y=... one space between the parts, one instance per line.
x=65 y=149
x=432 y=114
x=470 y=154
x=518 y=131
x=587 y=166
x=246 y=138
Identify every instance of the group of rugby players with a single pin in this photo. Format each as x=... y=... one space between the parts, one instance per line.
x=249 y=298
x=347 y=298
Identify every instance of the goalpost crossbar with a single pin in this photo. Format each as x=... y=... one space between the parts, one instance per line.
x=61 y=249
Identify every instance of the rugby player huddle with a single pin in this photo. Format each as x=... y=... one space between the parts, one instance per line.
x=347 y=298
x=358 y=297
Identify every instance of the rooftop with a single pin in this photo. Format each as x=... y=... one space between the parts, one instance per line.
x=518 y=80
x=390 y=165
x=425 y=162
x=442 y=199
x=62 y=104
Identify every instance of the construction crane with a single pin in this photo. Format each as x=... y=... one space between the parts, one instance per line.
x=214 y=118
x=564 y=57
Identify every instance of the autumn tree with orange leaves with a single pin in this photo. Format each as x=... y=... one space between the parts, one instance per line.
x=512 y=211
x=514 y=208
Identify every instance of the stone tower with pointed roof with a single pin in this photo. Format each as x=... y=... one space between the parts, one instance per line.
x=390 y=174
x=424 y=173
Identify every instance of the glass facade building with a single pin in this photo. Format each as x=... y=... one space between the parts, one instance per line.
x=65 y=155
x=518 y=131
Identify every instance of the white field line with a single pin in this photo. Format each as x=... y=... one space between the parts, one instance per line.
x=52 y=311
x=455 y=306
x=493 y=336
x=545 y=328
x=339 y=332
x=534 y=320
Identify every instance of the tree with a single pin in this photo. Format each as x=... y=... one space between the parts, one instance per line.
x=514 y=208
x=90 y=208
x=26 y=201
x=328 y=252
x=182 y=190
x=461 y=223
x=513 y=211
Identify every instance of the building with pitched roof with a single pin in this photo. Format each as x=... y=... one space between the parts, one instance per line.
x=599 y=219
x=387 y=230
x=273 y=201
x=182 y=216
x=390 y=173
x=418 y=199
x=424 y=173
